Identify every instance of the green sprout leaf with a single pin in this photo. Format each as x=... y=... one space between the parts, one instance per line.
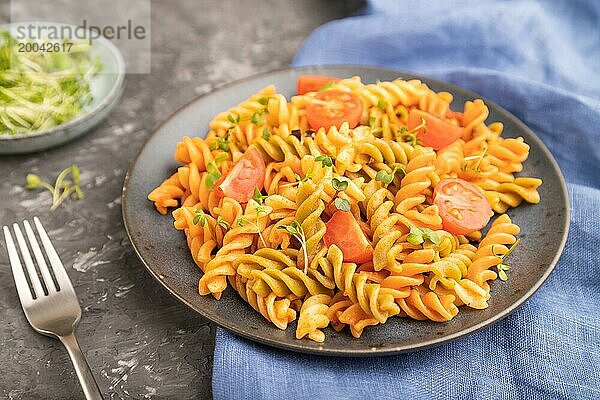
x=477 y=158
x=384 y=177
x=63 y=186
x=75 y=174
x=501 y=267
x=296 y=230
x=213 y=174
x=211 y=179
x=419 y=235
x=256 y=119
x=415 y=236
x=430 y=235
x=258 y=196
x=200 y=217
x=221 y=144
x=264 y=101
x=33 y=181
x=266 y=134
x=222 y=223
x=325 y=160
x=408 y=137
x=387 y=178
x=299 y=179
x=339 y=184
x=382 y=104
x=342 y=204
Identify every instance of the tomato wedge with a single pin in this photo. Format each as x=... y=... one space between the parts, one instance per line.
x=312 y=83
x=345 y=233
x=332 y=108
x=248 y=173
x=463 y=208
x=437 y=133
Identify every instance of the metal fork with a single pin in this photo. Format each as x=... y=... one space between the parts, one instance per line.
x=52 y=310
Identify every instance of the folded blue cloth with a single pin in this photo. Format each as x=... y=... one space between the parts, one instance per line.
x=540 y=60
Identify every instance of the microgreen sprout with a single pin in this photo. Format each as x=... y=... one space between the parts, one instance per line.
x=264 y=101
x=410 y=136
x=325 y=160
x=502 y=268
x=257 y=116
x=387 y=178
x=419 y=235
x=213 y=174
x=382 y=104
x=221 y=143
x=295 y=229
x=200 y=217
x=222 y=223
x=374 y=129
x=242 y=221
x=299 y=179
x=266 y=134
x=234 y=120
x=341 y=204
x=258 y=196
x=43 y=89
x=339 y=185
x=62 y=189
x=477 y=158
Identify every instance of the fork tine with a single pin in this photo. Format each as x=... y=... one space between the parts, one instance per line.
x=59 y=270
x=17 y=269
x=33 y=276
x=40 y=258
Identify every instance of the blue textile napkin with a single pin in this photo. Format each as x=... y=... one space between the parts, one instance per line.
x=541 y=61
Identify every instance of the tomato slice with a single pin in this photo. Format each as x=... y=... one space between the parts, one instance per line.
x=437 y=133
x=248 y=173
x=312 y=83
x=345 y=233
x=463 y=208
x=332 y=108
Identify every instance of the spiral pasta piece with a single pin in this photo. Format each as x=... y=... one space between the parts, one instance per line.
x=235 y=242
x=313 y=318
x=308 y=214
x=415 y=187
x=492 y=246
x=167 y=194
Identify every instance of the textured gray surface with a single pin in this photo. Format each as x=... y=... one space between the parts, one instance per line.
x=140 y=342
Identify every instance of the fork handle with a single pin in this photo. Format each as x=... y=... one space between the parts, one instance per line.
x=84 y=373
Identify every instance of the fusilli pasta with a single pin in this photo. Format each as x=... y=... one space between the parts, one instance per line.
x=354 y=222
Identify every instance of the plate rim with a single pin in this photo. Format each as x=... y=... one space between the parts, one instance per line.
x=384 y=351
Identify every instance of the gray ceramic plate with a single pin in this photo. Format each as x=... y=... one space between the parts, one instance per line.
x=106 y=88
x=163 y=250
